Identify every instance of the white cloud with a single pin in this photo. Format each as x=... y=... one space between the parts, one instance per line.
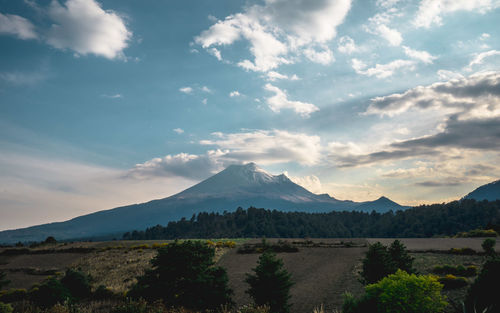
x=476 y=96
x=273 y=76
x=484 y=36
x=18 y=26
x=21 y=78
x=267 y=147
x=323 y=57
x=206 y=89
x=387 y=3
x=216 y=53
x=347 y=45
x=277 y=29
x=84 y=27
x=423 y=56
x=377 y=25
x=113 y=96
x=280 y=101
x=204 y=101
x=310 y=182
x=382 y=70
x=449 y=75
x=185 y=165
x=479 y=58
x=186 y=90
x=38 y=190
x=431 y=11
x=178 y=130
x=234 y=93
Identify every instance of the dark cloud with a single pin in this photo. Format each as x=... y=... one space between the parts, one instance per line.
x=465 y=94
x=440 y=183
x=476 y=134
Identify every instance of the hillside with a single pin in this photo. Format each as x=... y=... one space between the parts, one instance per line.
x=490 y=192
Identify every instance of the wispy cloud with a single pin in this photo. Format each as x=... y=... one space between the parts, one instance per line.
x=113 y=96
x=431 y=12
x=234 y=93
x=186 y=90
x=280 y=101
x=18 y=26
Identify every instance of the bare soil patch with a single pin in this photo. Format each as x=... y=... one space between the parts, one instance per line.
x=321 y=275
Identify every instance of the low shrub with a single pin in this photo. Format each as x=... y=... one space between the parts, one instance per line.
x=488 y=246
x=49 y=293
x=140 y=306
x=459 y=270
x=453 y=282
x=264 y=246
x=13 y=295
x=478 y=233
x=5 y=308
x=77 y=283
x=462 y=251
x=103 y=293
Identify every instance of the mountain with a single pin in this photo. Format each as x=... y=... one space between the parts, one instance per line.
x=490 y=192
x=236 y=186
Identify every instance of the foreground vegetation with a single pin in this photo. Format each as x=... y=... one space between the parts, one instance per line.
x=184 y=277
x=425 y=221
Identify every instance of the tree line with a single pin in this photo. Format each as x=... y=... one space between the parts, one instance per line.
x=445 y=219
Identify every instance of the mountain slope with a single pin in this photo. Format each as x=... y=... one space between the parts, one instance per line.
x=236 y=186
x=490 y=192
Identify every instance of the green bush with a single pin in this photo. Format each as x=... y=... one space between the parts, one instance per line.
x=271 y=283
x=462 y=251
x=184 y=275
x=13 y=295
x=381 y=261
x=478 y=233
x=49 y=293
x=488 y=246
x=452 y=282
x=483 y=293
x=399 y=293
x=5 y=308
x=77 y=283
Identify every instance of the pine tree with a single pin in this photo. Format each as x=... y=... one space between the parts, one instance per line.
x=271 y=283
x=184 y=275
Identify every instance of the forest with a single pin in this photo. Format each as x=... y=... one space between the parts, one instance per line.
x=447 y=219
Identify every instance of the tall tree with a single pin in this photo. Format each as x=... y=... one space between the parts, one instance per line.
x=184 y=275
x=270 y=284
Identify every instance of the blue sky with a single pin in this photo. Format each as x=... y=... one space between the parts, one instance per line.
x=106 y=103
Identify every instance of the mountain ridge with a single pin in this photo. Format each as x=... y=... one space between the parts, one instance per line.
x=490 y=192
x=236 y=186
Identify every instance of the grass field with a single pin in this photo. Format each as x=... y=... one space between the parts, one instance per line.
x=322 y=269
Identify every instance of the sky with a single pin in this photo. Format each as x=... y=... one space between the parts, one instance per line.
x=112 y=102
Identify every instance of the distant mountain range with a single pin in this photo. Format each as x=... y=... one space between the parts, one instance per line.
x=236 y=186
